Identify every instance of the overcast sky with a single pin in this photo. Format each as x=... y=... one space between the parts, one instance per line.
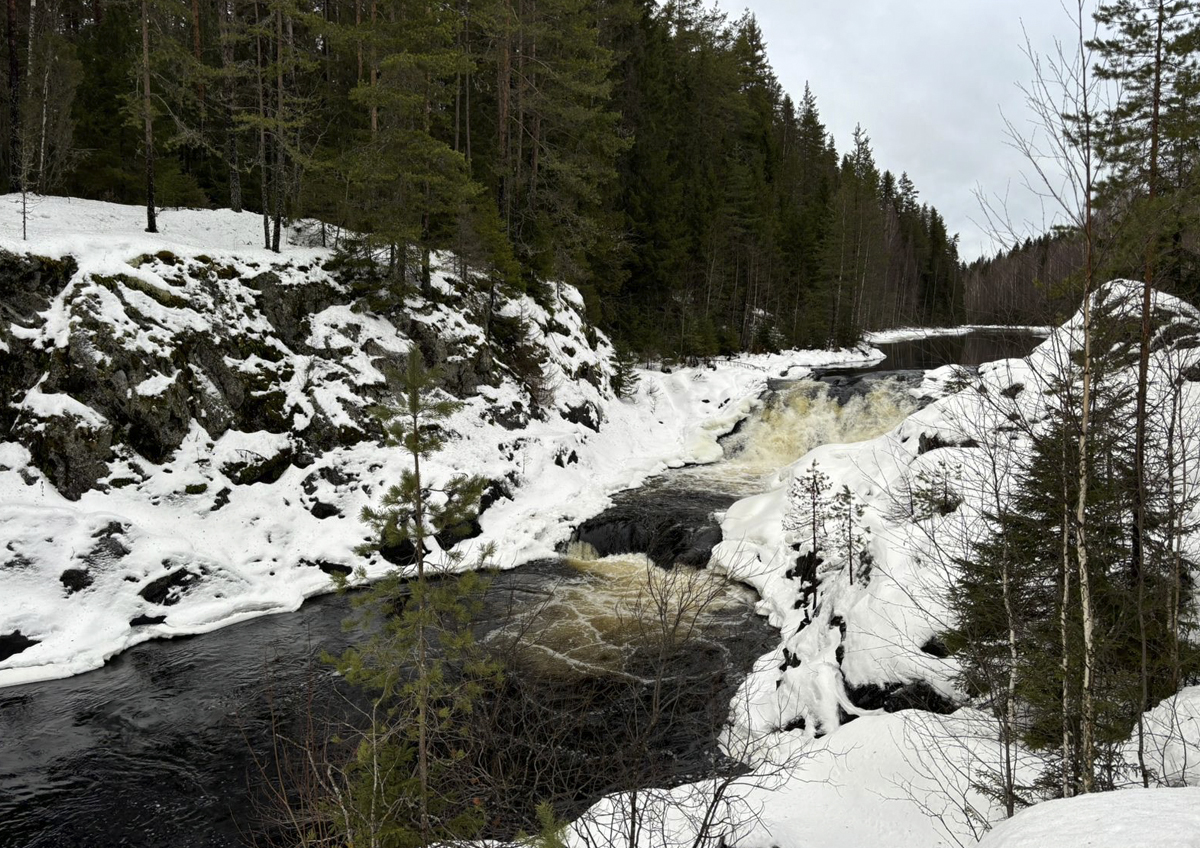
x=927 y=80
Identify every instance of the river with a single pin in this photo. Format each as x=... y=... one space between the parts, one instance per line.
x=156 y=748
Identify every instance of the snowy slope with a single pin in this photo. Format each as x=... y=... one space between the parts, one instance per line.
x=903 y=334
x=211 y=400
x=1155 y=817
x=872 y=631
x=864 y=648
x=853 y=724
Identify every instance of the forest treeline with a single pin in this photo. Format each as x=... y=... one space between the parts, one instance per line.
x=645 y=153
x=1142 y=141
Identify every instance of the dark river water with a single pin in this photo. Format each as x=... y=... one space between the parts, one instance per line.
x=152 y=748
x=155 y=749
x=971 y=349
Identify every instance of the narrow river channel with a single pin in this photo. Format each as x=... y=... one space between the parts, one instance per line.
x=155 y=748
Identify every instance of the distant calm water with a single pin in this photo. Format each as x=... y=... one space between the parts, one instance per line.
x=971 y=349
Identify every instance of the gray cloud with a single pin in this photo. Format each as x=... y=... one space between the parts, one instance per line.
x=927 y=80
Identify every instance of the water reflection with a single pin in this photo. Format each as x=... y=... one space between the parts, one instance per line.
x=971 y=349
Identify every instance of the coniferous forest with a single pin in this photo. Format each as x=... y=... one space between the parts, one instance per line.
x=644 y=153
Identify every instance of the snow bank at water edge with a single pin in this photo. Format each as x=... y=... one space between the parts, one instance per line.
x=187 y=437
x=875 y=631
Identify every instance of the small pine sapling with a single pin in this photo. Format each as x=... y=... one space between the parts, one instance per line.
x=850 y=535
x=410 y=780
x=810 y=492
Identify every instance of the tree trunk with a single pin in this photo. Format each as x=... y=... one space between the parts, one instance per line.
x=148 y=121
x=264 y=169
x=197 y=54
x=503 y=91
x=1087 y=698
x=422 y=647
x=467 y=104
x=226 y=20
x=14 y=101
x=1064 y=634
x=279 y=154
x=41 y=167
x=374 y=75
x=1138 y=563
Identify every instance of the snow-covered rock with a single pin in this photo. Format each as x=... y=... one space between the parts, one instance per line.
x=185 y=437
x=863 y=642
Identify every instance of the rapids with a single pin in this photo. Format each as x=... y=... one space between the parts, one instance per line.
x=155 y=748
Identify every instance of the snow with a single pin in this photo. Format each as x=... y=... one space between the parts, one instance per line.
x=1158 y=817
x=64 y=226
x=903 y=779
x=256 y=549
x=40 y=404
x=1172 y=739
x=855 y=776
x=878 y=627
x=156 y=385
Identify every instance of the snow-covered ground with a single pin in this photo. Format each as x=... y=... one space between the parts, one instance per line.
x=1155 y=817
x=162 y=548
x=158 y=549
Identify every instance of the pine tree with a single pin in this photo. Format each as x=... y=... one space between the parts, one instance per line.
x=849 y=535
x=409 y=783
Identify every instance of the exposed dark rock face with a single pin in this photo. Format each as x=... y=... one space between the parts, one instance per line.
x=71 y=451
x=166 y=590
x=669 y=526
x=401 y=554
x=894 y=697
x=158 y=365
x=108 y=547
x=935 y=647
x=76 y=580
x=143 y=620
x=927 y=442
x=252 y=468
x=587 y=414
x=331 y=568
x=287 y=307
x=27 y=285
x=14 y=643
x=139 y=358
x=322 y=510
x=461 y=374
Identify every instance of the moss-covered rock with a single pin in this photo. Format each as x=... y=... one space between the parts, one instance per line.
x=160 y=295
x=254 y=468
x=73 y=452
